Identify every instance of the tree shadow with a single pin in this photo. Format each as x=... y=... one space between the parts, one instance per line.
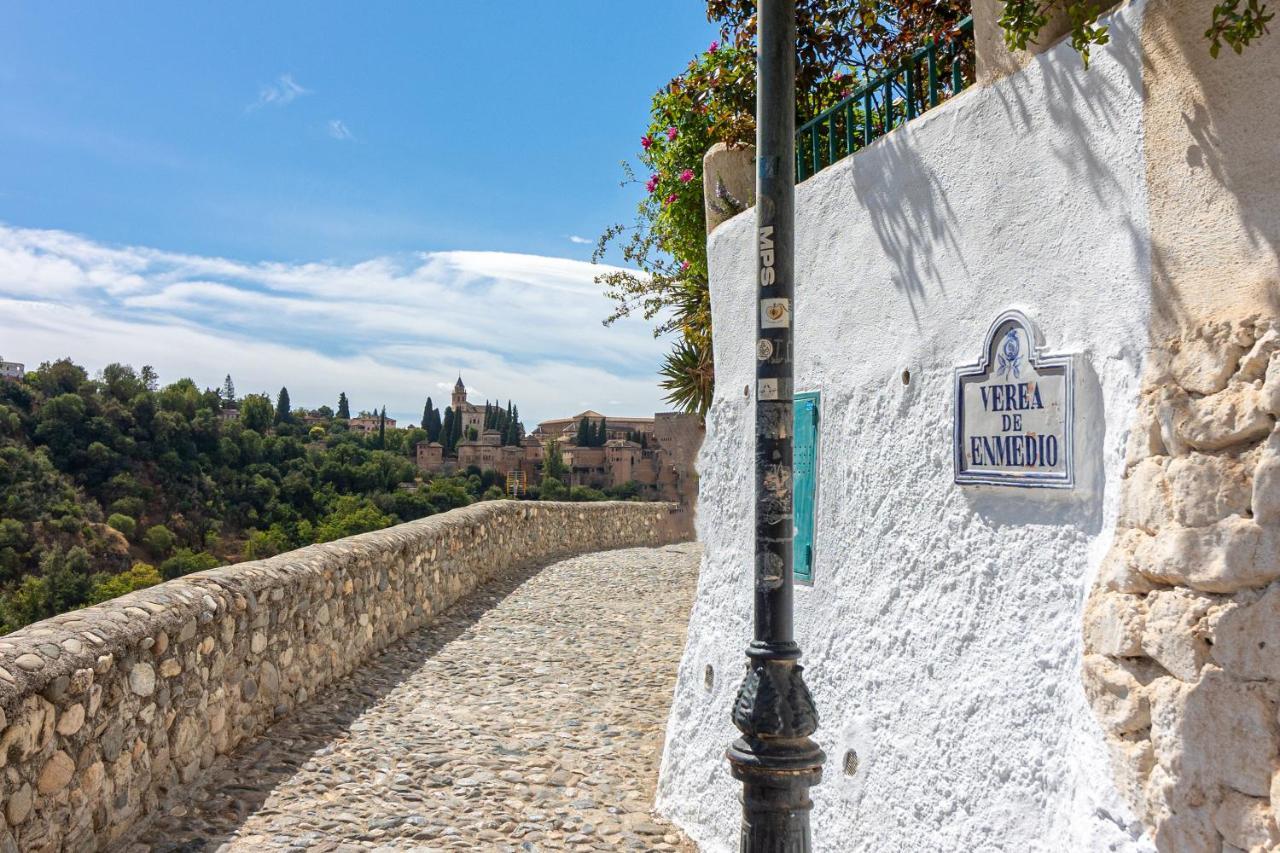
x=237 y=785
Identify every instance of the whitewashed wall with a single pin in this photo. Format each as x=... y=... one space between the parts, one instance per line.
x=942 y=633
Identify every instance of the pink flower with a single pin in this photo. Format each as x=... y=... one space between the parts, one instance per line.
x=686 y=176
x=652 y=183
x=684 y=266
x=671 y=199
x=646 y=143
x=837 y=77
x=671 y=133
x=715 y=45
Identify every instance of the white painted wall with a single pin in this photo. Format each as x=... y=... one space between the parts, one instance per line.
x=942 y=634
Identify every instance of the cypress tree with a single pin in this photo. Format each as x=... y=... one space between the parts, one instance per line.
x=344 y=408
x=602 y=433
x=455 y=436
x=432 y=422
x=228 y=392
x=426 y=414
x=282 y=407
x=446 y=430
x=382 y=428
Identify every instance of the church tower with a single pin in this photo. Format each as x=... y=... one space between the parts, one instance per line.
x=459 y=395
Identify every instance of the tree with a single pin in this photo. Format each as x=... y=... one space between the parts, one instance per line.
x=382 y=428
x=159 y=540
x=583 y=439
x=107 y=587
x=553 y=461
x=150 y=378
x=344 y=409
x=256 y=412
x=431 y=422
x=455 y=437
x=228 y=392
x=284 y=413
x=123 y=523
x=446 y=430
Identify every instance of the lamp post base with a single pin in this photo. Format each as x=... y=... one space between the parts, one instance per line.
x=775 y=759
x=776 y=779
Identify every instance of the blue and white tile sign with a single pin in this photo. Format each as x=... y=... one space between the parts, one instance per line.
x=1015 y=411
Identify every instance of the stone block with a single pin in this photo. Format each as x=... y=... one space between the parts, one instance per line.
x=1174 y=823
x=1119 y=570
x=1254 y=363
x=56 y=773
x=1233 y=416
x=1230 y=555
x=1204 y=362
x=1246 y=638
x=1216 y=732
x=1246 y=822
x=1132 y=760
x=29 y=731
x=1144 y=501
x=1204 y=489
x=1174 y=634
x=1117 y=697
x=1113 y=624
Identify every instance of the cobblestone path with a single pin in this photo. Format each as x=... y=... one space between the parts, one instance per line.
x=530 y=717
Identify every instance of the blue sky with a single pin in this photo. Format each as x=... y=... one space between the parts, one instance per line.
x=364 y=194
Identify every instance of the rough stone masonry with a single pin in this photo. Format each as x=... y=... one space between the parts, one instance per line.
x=1182 y=630
x=105 y=710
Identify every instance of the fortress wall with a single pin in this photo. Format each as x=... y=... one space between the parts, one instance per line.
x=105 y=710
x=942 y=631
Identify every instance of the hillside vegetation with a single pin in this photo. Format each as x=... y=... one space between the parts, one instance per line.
x=113 y=483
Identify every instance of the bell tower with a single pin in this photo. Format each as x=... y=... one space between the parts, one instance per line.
x=459 y=395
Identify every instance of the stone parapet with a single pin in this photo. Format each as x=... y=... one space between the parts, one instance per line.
x=1182 y=629
x=104 y=711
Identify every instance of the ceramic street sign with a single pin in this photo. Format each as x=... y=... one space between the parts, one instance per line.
x=1015 y=411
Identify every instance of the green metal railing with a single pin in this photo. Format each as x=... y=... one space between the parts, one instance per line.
x=886 y=101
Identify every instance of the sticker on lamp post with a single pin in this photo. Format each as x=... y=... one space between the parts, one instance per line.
x=1015 y=411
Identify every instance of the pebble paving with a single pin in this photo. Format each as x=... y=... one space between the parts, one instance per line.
x=529 y=717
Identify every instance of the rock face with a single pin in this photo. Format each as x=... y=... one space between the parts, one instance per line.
x=1182 y=630
x=103 y=710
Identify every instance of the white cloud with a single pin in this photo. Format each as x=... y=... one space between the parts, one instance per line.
x=574 y=238
x=282 y=91
x=387 y=330
x=338 y=129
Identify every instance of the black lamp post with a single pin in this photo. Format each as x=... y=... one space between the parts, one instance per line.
x=775 y=759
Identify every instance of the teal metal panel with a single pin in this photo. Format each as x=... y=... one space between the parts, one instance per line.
x=805 y=481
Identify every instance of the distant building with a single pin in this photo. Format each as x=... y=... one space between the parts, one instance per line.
x=14 y=370
x=472 y=415
x=429 y=455
x=621 y=428
x=229 y=413
x=367 y=424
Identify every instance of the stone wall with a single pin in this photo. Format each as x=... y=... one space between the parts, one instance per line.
x=105 y=710
x=1182 y=630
